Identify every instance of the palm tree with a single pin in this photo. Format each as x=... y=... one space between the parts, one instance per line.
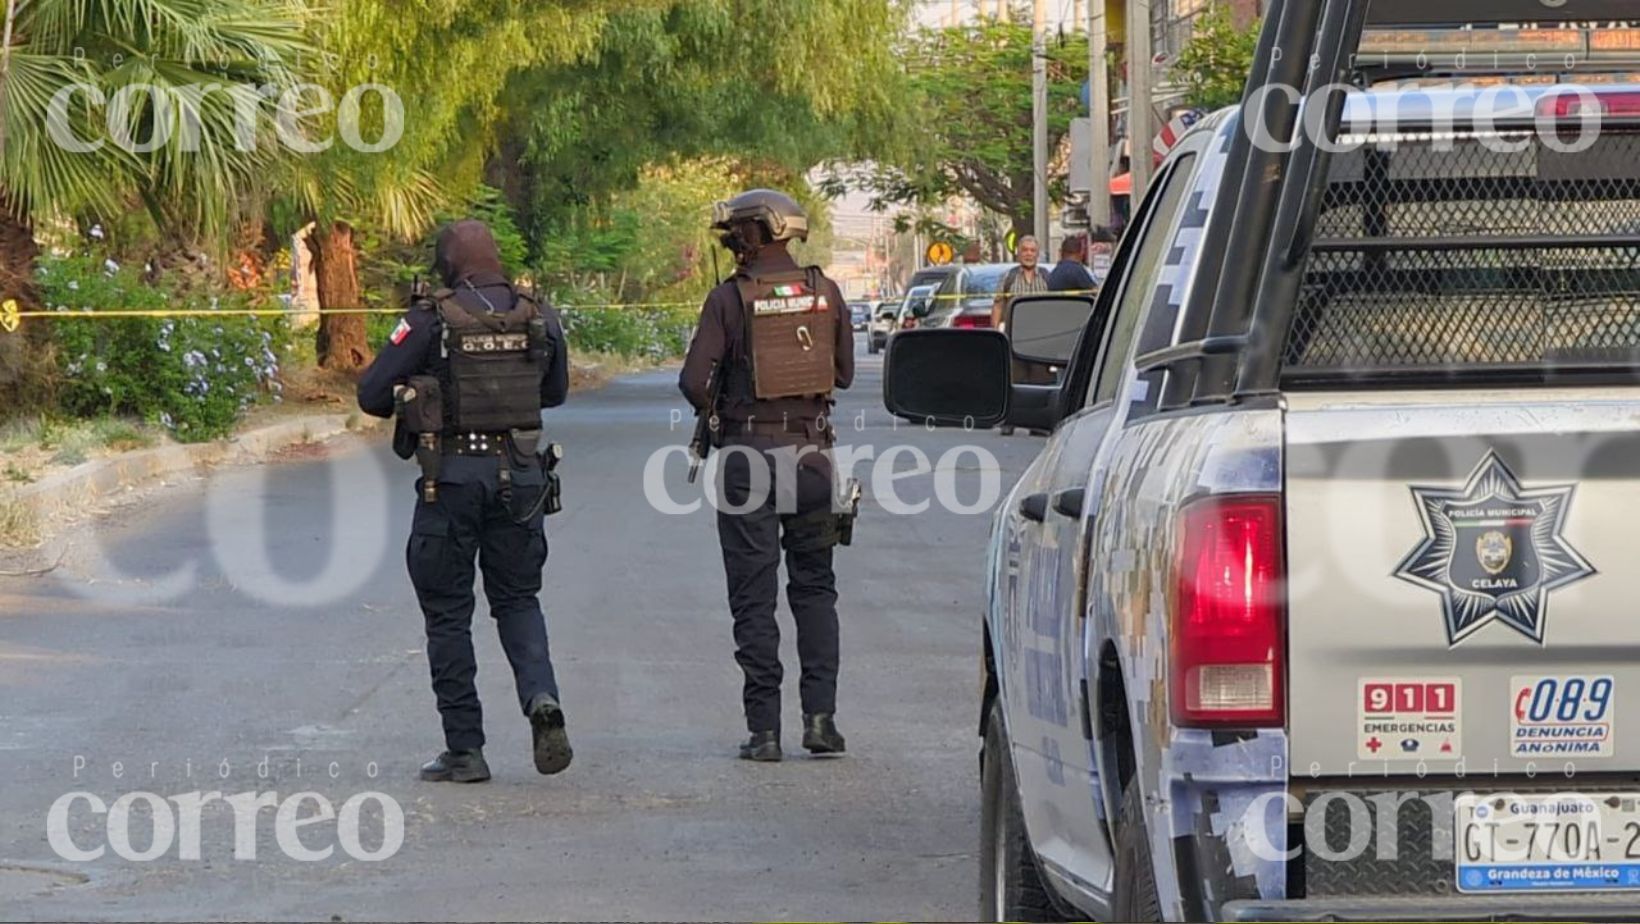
x=88 y=86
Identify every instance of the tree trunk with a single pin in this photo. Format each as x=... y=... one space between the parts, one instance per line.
x=342 y=343
x=25 y=356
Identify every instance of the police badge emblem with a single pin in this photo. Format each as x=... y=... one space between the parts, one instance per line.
x=1493 y=550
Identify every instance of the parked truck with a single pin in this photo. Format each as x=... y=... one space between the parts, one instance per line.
x=1313 y=606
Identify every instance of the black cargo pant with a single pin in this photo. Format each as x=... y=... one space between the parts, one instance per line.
x=470 y=519
x=752 y=544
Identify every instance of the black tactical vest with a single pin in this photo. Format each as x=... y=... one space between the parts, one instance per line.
x=790 y=336
x=496 y=363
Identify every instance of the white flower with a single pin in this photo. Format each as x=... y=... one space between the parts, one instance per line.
x=74 y=285
x=110 y=267
x=96 y=232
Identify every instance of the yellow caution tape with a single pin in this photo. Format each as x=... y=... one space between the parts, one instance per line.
x=11 y=316
x=987 y=296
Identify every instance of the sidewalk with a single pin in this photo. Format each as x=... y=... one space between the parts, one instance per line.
x=32 y=508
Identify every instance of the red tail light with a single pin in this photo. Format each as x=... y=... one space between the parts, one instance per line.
x=1228 y=642
x=971 y=321
x=1620 y=104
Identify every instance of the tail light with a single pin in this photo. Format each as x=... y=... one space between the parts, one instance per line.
x=1618 y=104
x=971 y=321
x=1228 y=642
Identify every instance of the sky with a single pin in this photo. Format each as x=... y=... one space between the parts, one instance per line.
x=850 y=214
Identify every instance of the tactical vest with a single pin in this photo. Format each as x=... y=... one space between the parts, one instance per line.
x=496 y=363
x=791 y=335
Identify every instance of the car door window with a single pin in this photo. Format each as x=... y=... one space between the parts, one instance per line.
x=1141 y=280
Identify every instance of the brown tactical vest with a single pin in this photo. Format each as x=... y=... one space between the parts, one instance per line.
x=791 y=335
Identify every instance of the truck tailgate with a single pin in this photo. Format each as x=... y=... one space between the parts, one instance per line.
x=1461 y=598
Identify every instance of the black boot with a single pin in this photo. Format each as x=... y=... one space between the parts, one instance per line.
x=820 y=734
x=552 y=750
x=457 y=767
x=763 y=746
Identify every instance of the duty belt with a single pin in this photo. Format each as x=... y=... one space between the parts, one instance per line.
x=477 y=444
x=796 y=427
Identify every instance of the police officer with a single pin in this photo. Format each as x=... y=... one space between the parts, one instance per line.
x=468 y=370
x=772 y=343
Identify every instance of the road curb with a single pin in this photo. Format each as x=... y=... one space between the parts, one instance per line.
x=85 y=484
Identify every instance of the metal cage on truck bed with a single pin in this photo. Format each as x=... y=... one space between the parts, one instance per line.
x=1440 y=251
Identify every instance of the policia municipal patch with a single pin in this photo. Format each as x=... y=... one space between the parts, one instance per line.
x=1493 y=550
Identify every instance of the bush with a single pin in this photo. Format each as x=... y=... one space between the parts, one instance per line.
x=635 y=333
x=193 y=375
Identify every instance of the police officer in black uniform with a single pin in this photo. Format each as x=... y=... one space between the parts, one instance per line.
x=771 y=345
x=468 y=370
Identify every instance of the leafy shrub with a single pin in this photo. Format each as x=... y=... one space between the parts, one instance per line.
x=646 y=333
x=193 y=375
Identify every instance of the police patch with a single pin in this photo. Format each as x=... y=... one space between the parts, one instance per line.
x=400 y=332
x=798 y=304
x=1493 y=550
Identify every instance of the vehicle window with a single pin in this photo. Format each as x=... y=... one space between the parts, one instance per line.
x=987 y=280
x=1141 y=280
x=943 y=281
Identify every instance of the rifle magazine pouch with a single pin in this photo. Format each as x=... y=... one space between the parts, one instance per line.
x=811 y=532
x=404 y=442
x=421 y=405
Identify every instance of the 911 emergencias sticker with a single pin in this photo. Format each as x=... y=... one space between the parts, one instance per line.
x=1410 y=718
x=1568 y=716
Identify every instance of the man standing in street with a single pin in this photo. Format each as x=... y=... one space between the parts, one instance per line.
x=468 y=370
x=1025 y=279
x=772 y=344
x=1101 y=252
x=1071 y=274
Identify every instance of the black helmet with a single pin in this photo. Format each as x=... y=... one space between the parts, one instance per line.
x=779 y=214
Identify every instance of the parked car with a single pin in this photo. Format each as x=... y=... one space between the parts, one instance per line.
x=965 y=293
x=1329 y=541
x=882 y=323
x=860 y=313
x=919 y=302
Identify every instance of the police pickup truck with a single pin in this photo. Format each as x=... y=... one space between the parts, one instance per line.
x=1315 y=605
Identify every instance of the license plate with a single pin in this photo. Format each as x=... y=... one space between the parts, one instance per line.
x=1567 y=842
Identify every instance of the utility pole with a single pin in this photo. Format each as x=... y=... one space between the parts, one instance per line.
x=1039 y=121
x=1141 y=106
x=1099 y=112
x=1079 y=19
x=956 y=12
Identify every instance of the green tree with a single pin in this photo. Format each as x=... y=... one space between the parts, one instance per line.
x=96 y=58
x=1213 y=66
x=970 y=93
x=653 y=242
x=775 y=86
x=449 y=61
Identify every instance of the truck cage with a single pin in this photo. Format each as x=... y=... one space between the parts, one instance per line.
x=1237 y=338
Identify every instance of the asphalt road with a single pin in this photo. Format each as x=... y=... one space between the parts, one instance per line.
x=254 y=632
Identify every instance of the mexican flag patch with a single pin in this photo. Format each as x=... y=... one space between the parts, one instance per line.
x=787 y=291
x=400 y=332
